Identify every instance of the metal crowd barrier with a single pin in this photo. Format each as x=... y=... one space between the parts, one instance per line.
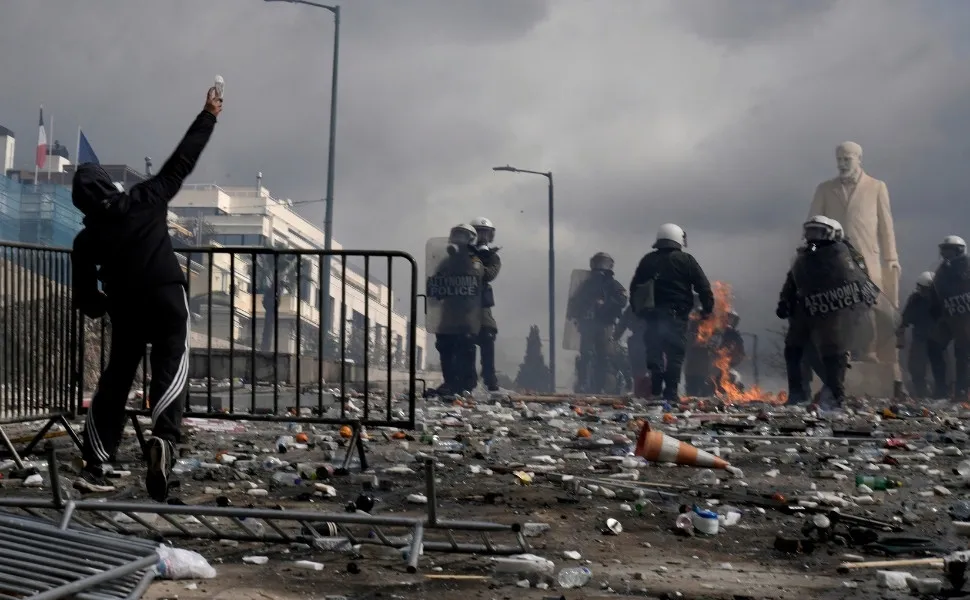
x=264 y=345
x=264 y=332
x=39 y=357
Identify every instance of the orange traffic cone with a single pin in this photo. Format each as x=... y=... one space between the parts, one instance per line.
x=658 y=447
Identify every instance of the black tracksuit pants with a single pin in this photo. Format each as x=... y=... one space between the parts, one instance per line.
x=159 y=318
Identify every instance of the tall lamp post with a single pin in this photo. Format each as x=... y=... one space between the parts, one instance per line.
x=326 y=308
x=552 y=270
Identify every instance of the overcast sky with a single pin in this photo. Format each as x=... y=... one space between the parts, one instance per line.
x=719 y=115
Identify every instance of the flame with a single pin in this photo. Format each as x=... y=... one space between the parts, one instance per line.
x=726 y=390
x=719 y=318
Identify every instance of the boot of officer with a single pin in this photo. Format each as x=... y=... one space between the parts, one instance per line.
x=460 y=318
x=918 y=315
x=602 y=300
x=824 y=289
x=951 y=286
x=488 y=253
x=662 y=294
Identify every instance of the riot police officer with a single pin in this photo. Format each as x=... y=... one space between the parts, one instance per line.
x=594 y=308
x=925 y=344
x=662 y=293
x=454 y=292
x=951 y=302
x=822 y=291
x=488 y=252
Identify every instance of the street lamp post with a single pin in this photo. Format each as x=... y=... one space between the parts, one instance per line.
x=326 y=308
x=552 y=268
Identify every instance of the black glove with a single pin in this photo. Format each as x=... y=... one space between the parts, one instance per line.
x=782 y=311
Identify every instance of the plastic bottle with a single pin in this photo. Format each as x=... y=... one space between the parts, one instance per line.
x=448 y=446
x=186 y=465
x=878 y=483
x=284 y=478
x=574 y=577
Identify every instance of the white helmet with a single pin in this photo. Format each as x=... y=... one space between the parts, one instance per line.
x=820 y=228
x=953 y=246
x=925 y=279
x=463 y=234
x=670 y=236
x=485 y=229
x=837 y=227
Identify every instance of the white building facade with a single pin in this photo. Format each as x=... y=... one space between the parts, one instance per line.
x=214 y=216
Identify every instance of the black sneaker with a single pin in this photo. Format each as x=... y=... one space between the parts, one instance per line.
x=92 y=481
x=160 y=461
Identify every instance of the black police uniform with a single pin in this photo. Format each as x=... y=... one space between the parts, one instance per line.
x=595 y=307
x=486 y=338
x=676 y=277
x=951 y=302
x=460 y=320
x=925 y=347
x=823 y=292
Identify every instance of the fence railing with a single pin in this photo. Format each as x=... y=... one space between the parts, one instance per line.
x=38 y=334
x=264 y=349
x=265 y=344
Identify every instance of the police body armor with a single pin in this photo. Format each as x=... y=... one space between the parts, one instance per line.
x=952 y=283
x=829 y=281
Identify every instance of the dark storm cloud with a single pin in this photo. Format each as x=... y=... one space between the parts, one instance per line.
x=721 y=116
x=741 y=21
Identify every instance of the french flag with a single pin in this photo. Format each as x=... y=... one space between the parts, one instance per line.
x=41 y=142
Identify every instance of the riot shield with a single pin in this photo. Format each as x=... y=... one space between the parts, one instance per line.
x=574 y=309
x=453 y=290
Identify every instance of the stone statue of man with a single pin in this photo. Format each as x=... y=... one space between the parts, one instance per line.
x=861 y=204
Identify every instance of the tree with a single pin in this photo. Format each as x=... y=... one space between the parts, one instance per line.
x=285 y=279
x=534 y=374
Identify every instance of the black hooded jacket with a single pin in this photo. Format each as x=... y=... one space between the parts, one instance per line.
x=125 y=241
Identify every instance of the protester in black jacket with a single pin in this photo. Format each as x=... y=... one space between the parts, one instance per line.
x=126 y=245
x=662 y=294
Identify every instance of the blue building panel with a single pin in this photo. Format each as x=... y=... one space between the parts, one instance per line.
x=37 y=214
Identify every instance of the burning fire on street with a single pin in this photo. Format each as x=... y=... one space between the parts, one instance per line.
x=707 y=333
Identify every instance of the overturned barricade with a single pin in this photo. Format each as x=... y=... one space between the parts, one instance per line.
x=42 y=561
x=321 y=530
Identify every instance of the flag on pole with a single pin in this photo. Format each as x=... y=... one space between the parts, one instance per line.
x=41 y=143
x=85 y=153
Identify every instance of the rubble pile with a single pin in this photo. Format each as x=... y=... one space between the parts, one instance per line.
x=769 y=501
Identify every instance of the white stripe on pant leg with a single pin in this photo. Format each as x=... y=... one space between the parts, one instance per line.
x=176 y=386
x=181 y=374
x=96 y=445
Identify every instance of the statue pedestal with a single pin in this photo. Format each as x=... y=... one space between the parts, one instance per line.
x=866 y=379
